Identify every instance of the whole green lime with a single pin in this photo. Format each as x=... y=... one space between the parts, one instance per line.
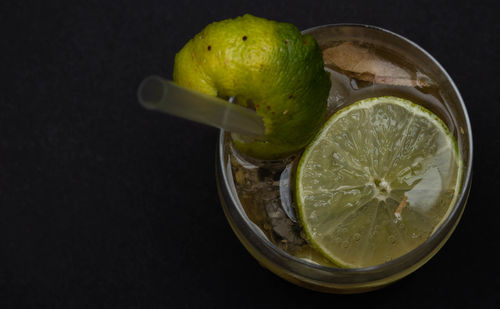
x=267 y=66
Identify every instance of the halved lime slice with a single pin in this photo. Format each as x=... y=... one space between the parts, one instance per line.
x=377 y=181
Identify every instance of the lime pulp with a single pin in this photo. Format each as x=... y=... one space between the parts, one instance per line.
x=377 y=181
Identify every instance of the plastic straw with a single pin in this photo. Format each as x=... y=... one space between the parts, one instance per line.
x=156 y=93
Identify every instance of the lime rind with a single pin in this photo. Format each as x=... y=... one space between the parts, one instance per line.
x=269 y=67
x=415 y=110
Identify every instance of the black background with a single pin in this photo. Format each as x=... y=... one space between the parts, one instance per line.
x=106 y=205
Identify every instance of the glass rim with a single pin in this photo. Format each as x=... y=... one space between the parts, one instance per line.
x=353 y=275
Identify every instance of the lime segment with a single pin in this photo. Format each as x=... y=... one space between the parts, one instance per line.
x=377 y=181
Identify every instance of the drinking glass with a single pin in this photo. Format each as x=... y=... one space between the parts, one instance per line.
x=341 y=280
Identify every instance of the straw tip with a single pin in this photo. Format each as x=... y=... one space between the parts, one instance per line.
x=151 y=91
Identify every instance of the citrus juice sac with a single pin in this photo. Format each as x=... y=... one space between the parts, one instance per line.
x=380 y=176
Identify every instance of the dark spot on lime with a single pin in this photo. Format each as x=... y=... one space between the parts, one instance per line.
x=209 y=47
x=244 y=38
x=250 y=104
x=291 y=97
